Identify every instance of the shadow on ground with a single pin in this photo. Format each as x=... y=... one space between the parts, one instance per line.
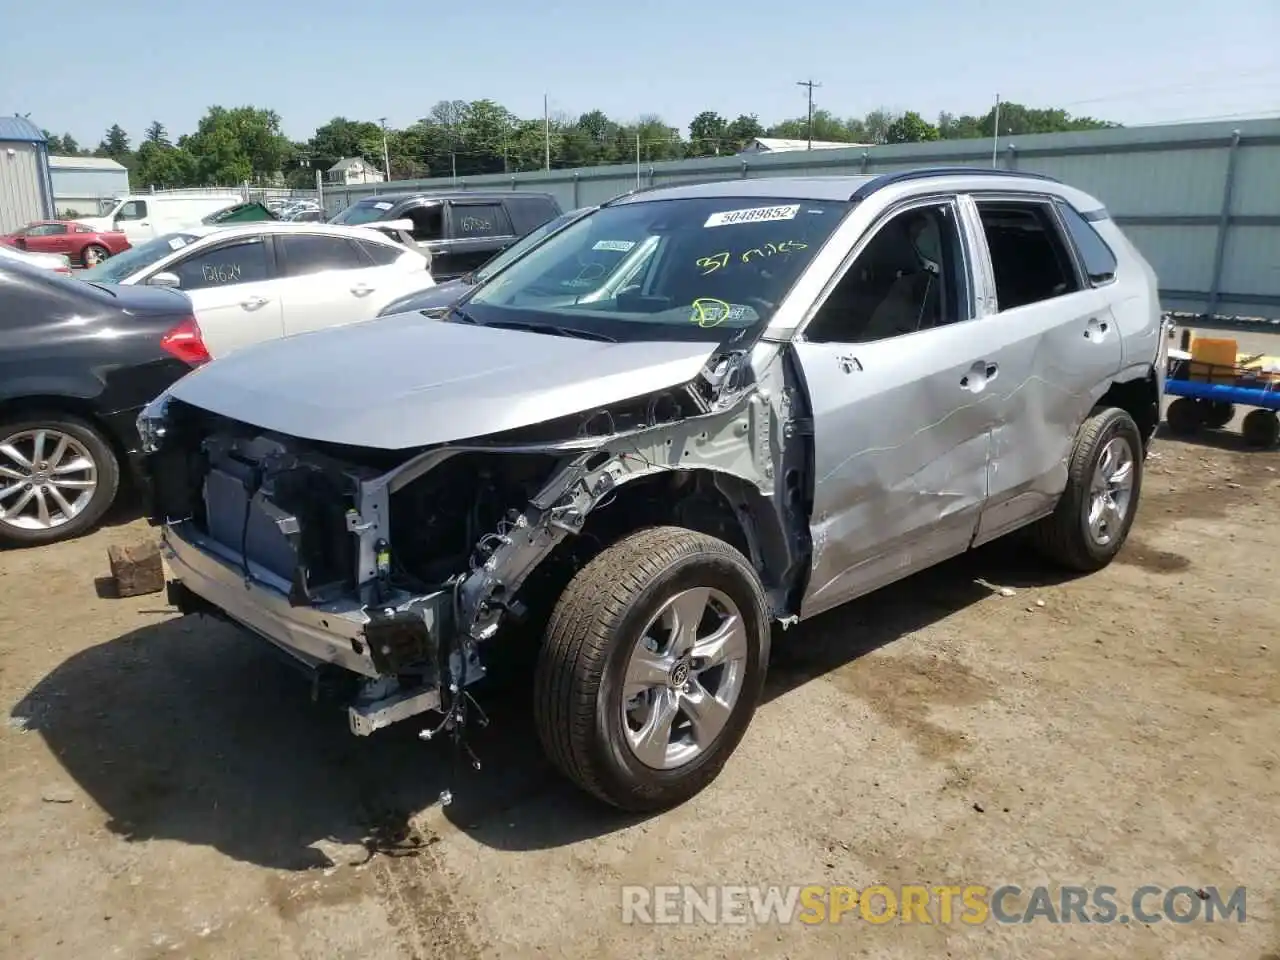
x=189 y=730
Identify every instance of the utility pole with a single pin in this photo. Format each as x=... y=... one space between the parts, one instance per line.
x=637 y=158
x=546 y=129
x=810 y=84
x=995 y=132
x=386 y=157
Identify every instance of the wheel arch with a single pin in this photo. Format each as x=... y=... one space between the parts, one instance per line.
x=78 y=407
x=1138 y=396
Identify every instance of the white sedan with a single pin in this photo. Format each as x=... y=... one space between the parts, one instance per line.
x=262 y=281
x=57 y=262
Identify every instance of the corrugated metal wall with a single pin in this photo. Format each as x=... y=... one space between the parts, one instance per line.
x=21 y=179
x=1202 y=201
x=81 y=189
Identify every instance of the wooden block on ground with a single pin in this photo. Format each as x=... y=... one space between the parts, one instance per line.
x=136 y=568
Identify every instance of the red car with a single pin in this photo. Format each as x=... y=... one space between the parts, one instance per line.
x=84 y=245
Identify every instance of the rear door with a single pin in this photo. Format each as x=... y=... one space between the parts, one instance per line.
x=234 y=289
x=46 y=238
x=1058 y=349
x=327 y=280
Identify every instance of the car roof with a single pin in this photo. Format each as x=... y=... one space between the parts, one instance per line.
x=855 y=188
x=285 y=227
x=454 y=195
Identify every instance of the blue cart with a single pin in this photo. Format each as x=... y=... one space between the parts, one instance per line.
x=1209 y=402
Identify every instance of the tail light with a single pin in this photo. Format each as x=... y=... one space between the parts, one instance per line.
x=186 y=343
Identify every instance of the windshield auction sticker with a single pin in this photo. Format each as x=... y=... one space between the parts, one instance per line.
x=727 y=218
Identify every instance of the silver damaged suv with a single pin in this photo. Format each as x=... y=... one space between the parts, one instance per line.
x=694 y=413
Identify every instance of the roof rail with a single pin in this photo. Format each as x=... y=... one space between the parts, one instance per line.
x=898 y=176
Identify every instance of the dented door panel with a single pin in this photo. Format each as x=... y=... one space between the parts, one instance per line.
x=901 y=435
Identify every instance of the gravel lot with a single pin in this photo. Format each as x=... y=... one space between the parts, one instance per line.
x=168 y=789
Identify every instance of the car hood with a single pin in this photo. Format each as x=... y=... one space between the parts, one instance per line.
x=443 y=294
x=405 y=381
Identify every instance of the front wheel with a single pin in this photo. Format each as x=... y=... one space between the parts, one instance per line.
x=652 y=666
x=1104 y=481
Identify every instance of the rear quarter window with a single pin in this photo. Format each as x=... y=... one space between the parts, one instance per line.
x=529 y=213
x=1097 y=257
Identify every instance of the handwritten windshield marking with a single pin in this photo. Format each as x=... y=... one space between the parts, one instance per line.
x=709 y=312
x=719 y=261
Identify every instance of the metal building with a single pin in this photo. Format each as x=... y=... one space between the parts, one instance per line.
x=81 y=184
x=26 y=190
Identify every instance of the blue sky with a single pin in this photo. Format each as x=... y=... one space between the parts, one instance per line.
x=81 y=67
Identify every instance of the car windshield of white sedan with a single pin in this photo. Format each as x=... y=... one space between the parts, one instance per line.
x=124 y=265
x=663 y=268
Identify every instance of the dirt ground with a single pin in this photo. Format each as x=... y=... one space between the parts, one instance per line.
x=167 y=789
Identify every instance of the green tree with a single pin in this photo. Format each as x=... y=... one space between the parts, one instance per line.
x=708 y=134
x=910 y=127
x=157 y=134
x=115 y=144
x=162 y=165
x=69 y=146
x=743 y=130
x=238 y=144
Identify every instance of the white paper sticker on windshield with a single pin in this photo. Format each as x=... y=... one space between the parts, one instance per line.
x=382 y=205
x=621 y=246
x=752 y=215
x=177 y=243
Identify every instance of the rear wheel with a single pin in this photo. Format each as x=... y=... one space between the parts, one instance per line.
x=58 y=476
x=652 y=667
x=94 y=254
x=1104 y=480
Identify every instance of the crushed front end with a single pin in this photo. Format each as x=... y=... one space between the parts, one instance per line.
x=392 y=569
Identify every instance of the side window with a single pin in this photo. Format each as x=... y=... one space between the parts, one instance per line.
x=529 y=213
x=910 y=277
x=477 y=220
x=242 y=262
x=1099 y=262
x=308 y=253
x=47 y=230
x=428 y=222
x=133 y=210
x=382 y=254
x=1028 y=256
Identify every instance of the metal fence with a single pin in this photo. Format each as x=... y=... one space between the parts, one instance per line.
x=1202 y=201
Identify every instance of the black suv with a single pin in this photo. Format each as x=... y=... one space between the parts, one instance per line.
x=460 y=229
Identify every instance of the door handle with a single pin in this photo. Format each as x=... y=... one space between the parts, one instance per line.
x=979 y=375
x=253 y=303
x=849 y=363
x=362 y=289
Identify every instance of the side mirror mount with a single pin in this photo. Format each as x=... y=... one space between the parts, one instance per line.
x=164 y=279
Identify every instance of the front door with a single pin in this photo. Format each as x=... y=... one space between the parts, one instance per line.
x=1058 y=345
x=235 y=293
x=477 y=231
x=133 y=219
x=903 y=396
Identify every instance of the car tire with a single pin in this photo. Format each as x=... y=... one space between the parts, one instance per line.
x=94 y=254
x=593 y=643
x=78 y=440
x=1093 y=518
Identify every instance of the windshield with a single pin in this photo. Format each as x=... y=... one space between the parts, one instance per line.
x=697 y=268
x=124 y=265
x=525 y=243
x=366 y=211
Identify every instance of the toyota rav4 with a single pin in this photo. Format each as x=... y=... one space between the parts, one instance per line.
x=697 y=412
